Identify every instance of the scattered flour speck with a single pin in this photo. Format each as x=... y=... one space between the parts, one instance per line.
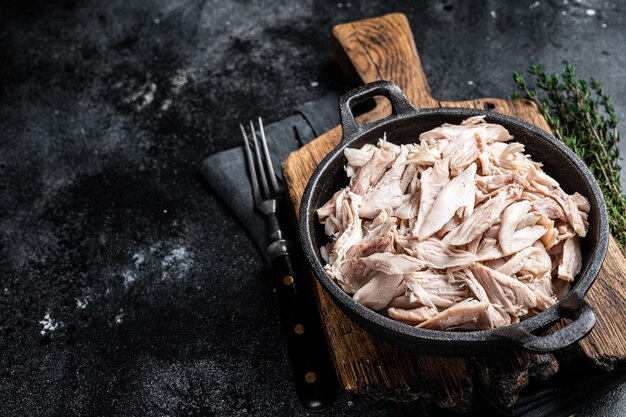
x=138 y=258
x=604 y=25
x=129 y=277
x=176 y=264
x=148 y=97
x=314 y=84
x=119 y=317
x=493 y=14
x=83 y=302
x=48 y=323
x=167 y=103
x=534 y=5
x=470 y=82
x=590 y=12
x=179 y=80
x=144 y=96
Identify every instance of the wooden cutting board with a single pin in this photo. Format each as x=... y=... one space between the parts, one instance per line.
x=383 y=48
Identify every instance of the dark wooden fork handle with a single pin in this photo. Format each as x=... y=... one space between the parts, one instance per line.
x=311 y=366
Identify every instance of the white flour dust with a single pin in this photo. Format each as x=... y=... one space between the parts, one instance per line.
x=83 y=302
x=119 y=317
x=129 y=276
x=177 y=82
x=176 y=264
x=138 y=259
x=49 y=324
x=143 y=96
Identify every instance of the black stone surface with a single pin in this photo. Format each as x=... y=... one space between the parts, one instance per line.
x=126 y=288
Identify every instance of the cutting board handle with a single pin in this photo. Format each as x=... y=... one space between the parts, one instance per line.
x=383 y=48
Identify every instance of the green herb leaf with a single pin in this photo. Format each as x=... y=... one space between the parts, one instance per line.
x=581 y=114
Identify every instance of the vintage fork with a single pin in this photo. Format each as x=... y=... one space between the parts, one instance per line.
x=312 y=369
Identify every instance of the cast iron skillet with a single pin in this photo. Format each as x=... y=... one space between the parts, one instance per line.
x=404 y=126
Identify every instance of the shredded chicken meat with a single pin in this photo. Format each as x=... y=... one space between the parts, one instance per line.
x=461 y=230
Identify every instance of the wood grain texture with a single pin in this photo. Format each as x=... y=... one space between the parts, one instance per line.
x=503 y=377
x=384 y=48
x=605 y=346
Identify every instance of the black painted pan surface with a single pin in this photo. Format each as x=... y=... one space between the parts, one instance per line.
x=404 y=125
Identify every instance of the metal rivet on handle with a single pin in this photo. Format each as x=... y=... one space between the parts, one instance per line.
x=288 y=280
x=299 y=329
x=310 y=377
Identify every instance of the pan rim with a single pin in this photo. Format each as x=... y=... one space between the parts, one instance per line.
x=476 y=337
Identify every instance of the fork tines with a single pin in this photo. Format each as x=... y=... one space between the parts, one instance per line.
x=260 y=167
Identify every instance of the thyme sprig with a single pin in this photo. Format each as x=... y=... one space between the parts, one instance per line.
x=580 y=113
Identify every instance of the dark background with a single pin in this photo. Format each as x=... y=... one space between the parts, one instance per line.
x=126 y=288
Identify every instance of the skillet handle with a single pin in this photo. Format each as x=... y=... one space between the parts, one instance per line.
x=574 y=308
x=400 y=105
